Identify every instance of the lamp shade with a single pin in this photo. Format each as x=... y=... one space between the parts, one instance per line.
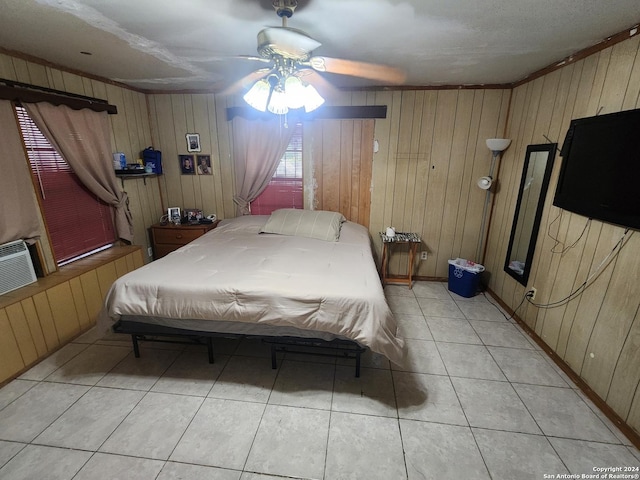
x=485 y=182
x=258 y=95
x=312 y=99
x=278 y=102
x=498 y=144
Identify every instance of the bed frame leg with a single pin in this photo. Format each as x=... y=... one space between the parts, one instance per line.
x=274 y=364
x=358 y=364
x=210 y=348
x=136 y=347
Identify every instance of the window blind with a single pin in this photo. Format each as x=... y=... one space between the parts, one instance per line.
x=78 y=222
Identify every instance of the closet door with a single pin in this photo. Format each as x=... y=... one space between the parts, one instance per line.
x=341 y=164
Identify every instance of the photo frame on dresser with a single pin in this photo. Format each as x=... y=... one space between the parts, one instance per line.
x=173 y=215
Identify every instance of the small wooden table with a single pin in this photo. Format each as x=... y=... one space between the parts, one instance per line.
x=400 y=238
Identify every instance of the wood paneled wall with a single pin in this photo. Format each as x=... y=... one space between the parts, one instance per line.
x=342 y=159
x=598 y=333
x=172 y=117
x=432 y=151
x=40 y=318
x=130 y=133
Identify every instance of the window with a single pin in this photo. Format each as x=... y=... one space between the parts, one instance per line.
x=78 y=222
x=285 y=188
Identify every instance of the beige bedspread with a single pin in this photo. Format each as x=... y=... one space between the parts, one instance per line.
x=233 y=273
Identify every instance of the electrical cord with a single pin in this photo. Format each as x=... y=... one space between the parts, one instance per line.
x=578 y=291
x=511 y=317
x=558 y=242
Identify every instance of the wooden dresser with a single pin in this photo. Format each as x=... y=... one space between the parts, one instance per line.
x=167 y=238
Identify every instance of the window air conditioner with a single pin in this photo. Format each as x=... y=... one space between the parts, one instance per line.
x=16 y=269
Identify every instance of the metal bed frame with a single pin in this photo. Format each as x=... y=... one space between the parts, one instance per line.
x=340 y=348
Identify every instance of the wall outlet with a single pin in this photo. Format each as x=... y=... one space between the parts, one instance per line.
x=531 y=293
x=423 y=255
x=150 y=252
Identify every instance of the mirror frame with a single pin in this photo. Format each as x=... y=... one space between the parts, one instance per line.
x=550 y=148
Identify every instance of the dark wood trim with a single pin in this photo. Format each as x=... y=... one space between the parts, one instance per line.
x=478 y=86
x=342 y=112
x=628 y=432
x=46 y=63
x=25 y=93
x=606 y=43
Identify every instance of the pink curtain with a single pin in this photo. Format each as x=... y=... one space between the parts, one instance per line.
x=258 y=146
x=82 y=138
x=19 y=211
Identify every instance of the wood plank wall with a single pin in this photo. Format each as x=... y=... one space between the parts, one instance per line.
x=172 y=117
x=341 y=170
x=38 y=319
x=432 y=151
x=130 y=133
x=598 y=333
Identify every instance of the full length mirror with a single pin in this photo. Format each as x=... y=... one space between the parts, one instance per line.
x=526 y=221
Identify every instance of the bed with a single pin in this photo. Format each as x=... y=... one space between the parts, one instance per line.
x=275 y=277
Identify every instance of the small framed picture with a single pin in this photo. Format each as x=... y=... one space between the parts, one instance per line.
x=193 y=142
x=173 y=214
x=187 y=167
x=204 y=164
x=193 y=215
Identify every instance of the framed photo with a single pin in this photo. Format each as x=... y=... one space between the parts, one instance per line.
x=187 y=166
x=193 y=215
x=204 y=165
x=173 y=214
x=193 y=142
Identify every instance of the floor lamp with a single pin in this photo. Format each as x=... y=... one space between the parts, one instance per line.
x=497 y=146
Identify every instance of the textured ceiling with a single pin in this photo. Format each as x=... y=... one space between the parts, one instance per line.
x=187 y=44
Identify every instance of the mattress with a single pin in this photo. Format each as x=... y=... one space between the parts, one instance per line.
x=236 y=279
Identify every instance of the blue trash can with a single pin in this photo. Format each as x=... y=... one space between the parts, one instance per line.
x=464 y=277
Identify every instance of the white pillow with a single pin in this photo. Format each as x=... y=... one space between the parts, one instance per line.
x=319 y=224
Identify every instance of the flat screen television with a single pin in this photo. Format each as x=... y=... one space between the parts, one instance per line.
x=600 y=173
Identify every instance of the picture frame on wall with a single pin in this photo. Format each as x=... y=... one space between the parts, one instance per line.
x=203 y=165
x=187 y=165
x=193 y=142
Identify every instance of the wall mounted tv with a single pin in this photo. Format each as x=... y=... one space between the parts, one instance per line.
x=600 y=174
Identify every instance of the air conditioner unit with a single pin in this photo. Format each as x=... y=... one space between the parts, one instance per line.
x=16 y=269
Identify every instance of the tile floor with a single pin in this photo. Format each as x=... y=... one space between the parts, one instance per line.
x=476 y=399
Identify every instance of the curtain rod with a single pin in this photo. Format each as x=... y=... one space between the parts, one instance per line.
x=324 y=112
x=24 y=92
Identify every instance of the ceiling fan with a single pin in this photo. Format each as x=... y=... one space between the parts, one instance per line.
x=293 y=78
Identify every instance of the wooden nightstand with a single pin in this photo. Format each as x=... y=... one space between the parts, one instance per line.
x=167 y=238
x=407 y=238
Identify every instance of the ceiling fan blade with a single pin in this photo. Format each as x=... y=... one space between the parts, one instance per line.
x=217 y=58
x=246 y=81
x=371 y=71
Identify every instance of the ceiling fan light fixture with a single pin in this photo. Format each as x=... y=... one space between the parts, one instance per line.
x=278 y=102
x=258 y=95
x=295 y=92
x=312 y=99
